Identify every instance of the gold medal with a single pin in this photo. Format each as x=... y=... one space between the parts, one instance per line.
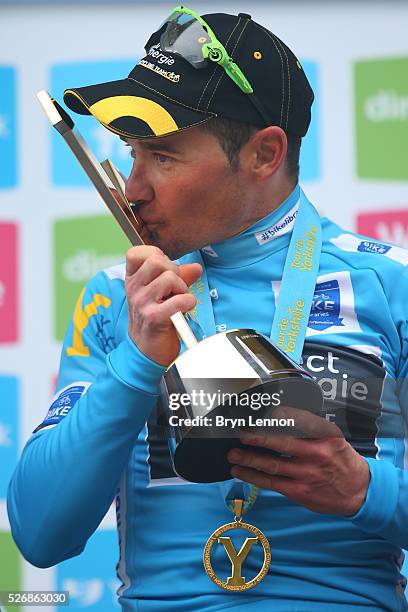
x=236 y=582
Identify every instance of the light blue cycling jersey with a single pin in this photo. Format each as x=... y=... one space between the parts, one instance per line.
x=99 y=438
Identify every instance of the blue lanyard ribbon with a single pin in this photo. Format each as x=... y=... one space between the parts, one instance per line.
x=298 y=282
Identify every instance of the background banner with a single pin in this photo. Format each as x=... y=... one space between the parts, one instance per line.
x=55 y=233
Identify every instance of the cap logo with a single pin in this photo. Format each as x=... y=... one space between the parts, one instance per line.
x=159 y=56
x=158 y=118
x=171 y=76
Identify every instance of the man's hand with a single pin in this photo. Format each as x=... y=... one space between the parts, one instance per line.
x=157 y=288
x=321 y=472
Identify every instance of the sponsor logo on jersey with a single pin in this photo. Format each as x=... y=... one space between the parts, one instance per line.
x=283 y=226
x=9 y=298
x=381 y=112
x=9 y=425
x=387 y=226
x=80 y=320
x=351 y=244
x=333 y=310
x=333 y=307
x=352 y=386
x=323 y=364
x=66 y=172
x=63 y=402
x=208 y=250
x=8 y=127
x=366 y=246
x=325 y=309
x=83 y=246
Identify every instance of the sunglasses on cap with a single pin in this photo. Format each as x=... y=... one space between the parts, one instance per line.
x=186 y=34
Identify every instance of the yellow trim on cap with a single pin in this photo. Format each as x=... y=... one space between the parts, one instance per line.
x=158 y=118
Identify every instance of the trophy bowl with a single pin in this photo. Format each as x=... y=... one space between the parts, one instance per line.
x=231 y=382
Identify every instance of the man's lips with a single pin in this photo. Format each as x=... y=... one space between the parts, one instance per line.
x=150 y=222
x=146 y=225
x=150 y=230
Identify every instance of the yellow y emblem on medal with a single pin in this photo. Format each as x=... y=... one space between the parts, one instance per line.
x=237 y=582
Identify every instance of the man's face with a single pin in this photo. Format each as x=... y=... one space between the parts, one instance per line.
x=185 y=191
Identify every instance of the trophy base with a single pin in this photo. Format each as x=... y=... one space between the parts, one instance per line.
x=227 y=384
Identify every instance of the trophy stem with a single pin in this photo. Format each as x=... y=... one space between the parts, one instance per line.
x=184 y=330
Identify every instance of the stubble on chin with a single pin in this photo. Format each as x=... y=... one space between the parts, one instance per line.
x=173 y=252
x=173 y=249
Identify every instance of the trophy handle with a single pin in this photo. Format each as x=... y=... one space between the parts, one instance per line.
x=98 y=173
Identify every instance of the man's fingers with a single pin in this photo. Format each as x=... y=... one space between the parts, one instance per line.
x=315 y=451
x=263 y=462
x=165 y=285
x=154 y=267
x=286 y=486
x=190 y=272
x=137 y=256
x=287 y=445
x=149 y=262
x=182 y=302
x=310 y=424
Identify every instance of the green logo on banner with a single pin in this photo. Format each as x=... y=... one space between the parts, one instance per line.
x=82 y=246
x=10 y=563
x=381 y=99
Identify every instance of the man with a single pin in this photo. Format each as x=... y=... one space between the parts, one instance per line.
x=214 y=130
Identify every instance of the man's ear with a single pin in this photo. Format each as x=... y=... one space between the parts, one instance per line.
x=268 y=148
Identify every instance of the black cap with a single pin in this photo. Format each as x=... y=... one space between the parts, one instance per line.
x=164 y=93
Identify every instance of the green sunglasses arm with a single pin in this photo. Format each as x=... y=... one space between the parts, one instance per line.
x=213 y=51
x=216 y=52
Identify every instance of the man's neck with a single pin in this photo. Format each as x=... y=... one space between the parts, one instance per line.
x=267 y=203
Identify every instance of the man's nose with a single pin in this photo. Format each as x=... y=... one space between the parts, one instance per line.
x=138 y=187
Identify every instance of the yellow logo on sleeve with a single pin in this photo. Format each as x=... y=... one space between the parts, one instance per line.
x=81 y=320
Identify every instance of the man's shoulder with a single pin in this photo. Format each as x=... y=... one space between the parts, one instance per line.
x=116 y=272
x=105 y=289
x=109 y=280
x=362 y=252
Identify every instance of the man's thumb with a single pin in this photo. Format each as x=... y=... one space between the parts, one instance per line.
x=190 y=272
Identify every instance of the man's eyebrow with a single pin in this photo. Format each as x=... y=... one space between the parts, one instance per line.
x=157 y=144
